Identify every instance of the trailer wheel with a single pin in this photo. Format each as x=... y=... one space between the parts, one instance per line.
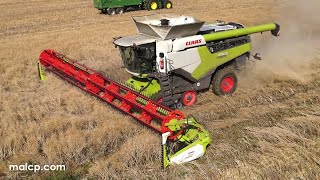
x=111 y=11
x=224 y=81
x=167 y=4
x=153 y=5
x=104 y=11
x=189 y=98
x=119 y=11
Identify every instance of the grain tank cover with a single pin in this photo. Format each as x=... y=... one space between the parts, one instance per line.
x=167 y=26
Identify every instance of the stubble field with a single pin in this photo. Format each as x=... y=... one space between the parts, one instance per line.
x=269 y=129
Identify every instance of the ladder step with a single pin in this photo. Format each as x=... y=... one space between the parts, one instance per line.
x=167 y=83
x=168 y=100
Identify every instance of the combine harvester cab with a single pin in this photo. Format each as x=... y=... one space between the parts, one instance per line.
x=112 y=7
x=172 y=57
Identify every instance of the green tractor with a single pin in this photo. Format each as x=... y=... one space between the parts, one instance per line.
x=112 y=7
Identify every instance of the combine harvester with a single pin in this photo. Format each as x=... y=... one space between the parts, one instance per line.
x=174 y=57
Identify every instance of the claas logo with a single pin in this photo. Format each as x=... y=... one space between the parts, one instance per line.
x=194 y=42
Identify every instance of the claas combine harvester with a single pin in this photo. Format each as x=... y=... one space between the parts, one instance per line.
x=174 y=57
x=171 y=59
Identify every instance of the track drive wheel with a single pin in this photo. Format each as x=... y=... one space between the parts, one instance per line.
x=189 y=98
x=119 y=10
x=167 y=4
x=111 y=11
x=153 y=5
x=224 y=81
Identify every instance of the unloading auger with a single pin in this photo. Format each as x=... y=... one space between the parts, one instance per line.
x=193 y=139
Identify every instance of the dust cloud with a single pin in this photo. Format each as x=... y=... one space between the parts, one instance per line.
x=295 y=53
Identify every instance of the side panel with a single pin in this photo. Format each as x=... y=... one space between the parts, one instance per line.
x=188 y=42
x=187 y=60
x=131 y=2
x=188 y=155
x=163 y=63
x=98 y=4
x=104 y=4
x=211 y=61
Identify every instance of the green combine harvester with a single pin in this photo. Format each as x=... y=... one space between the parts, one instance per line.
x=172 y=58
x=112 y=7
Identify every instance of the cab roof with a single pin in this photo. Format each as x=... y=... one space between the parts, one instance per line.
x=138 y=39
